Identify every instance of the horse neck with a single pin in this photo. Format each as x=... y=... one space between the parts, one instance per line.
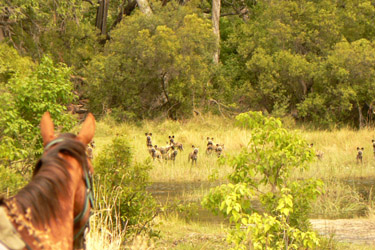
x=59 y=227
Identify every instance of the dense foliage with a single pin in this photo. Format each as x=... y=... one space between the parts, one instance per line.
x=313 y=60
x=306 y=58
x=267 y=208
x=163 y=63
x=27 y=91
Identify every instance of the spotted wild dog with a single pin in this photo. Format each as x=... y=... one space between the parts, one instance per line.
x=318 y=153
x=90 y=149
x=210 y=145
x=178 y=145
x=155 y=154
x=193 y=156
x=148 y=139
x=150 y=149
x=173 y=154
x=219 y=149
x=163 y=151
x=89 y=152
x=359 y=154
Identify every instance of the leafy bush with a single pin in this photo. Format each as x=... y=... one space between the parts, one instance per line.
x=162 y=65
x=26 y=93
x=24 y=102
x=125 y=182
x=261 y=173
x=11 y=181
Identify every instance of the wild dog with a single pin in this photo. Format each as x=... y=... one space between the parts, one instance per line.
x=210 y=142
x=193 y=156
x=163 y=151
x=219 y=149
x=155 y=154
x=210 y=145
x=373 y=146
x=172 y=156
x=168 y=146
x=359 y=154
x=318 y=153
x=150 y=149
x=178 y=145
x=90 y=150
x=148 y=139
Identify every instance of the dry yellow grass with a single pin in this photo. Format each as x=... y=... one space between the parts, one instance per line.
x=188 y=133
x=340 y=150
x=339 y=147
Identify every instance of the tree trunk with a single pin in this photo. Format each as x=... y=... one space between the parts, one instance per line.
x=101 y=16
x=216 y=6
x=124 y=10
x=5 y=24
x=144 y=7
x=360 y=116
x=2 y=34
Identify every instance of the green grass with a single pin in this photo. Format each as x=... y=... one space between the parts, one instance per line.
x=179 y=235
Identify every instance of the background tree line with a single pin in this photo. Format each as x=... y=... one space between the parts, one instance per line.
x=310 y=59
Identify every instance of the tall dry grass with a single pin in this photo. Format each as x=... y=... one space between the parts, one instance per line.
x=340 y=150
x=339 y=147
x=105 y=230
x=191 y=132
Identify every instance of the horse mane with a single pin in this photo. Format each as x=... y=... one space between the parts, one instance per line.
x=50 y=180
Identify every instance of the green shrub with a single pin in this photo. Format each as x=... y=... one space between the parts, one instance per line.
x=11 y=181
x=261 y=172
x=23 y=100
x=124 y=182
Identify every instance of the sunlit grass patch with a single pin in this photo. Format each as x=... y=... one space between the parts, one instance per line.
x=179 y=234
x=339 y=201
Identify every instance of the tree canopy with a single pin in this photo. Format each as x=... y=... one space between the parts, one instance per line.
x=308 y=59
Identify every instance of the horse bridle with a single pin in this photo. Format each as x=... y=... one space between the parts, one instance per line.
x=89 y=198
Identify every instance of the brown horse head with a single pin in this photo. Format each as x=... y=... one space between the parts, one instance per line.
x=53 y=210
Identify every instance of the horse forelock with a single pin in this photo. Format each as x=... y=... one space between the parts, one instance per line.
x=51 y=180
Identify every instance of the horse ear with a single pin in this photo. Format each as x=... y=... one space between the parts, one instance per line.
x=47 y=128
x=88 y=130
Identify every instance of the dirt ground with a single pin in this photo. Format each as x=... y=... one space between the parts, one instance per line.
x=361 y=231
